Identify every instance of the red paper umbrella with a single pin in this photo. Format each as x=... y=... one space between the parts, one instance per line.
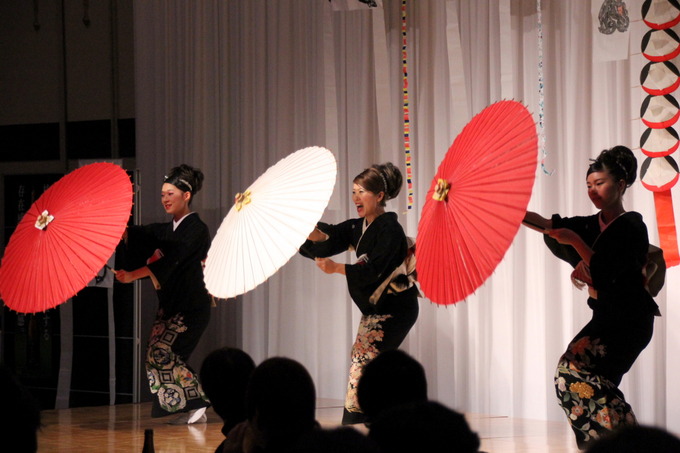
x=660 y=14
x=476 y=202
x=65 y=237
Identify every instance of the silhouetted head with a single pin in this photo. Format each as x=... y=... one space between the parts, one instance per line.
x=224 y=374
x=336 y=440
x=390 y=379
x=280 y=402
x=423 y=426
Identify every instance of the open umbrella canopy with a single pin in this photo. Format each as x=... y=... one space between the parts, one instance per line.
x=65 y=237
x=269 y=222
x=476 y=202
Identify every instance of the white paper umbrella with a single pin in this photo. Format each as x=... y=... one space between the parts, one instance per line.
x=269 y=222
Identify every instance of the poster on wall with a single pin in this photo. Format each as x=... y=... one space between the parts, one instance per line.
x=611 y=30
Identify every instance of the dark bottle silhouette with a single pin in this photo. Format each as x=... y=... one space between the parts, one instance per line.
x=148 y=442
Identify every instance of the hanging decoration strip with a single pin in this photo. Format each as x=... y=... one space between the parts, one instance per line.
x=659 y=112
x=407 y=119
x=541 y=95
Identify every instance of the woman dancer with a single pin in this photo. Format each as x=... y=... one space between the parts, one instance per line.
x=176 y=251
x=609 y=252
x=381 y=281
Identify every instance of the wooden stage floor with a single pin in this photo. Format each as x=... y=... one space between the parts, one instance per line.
x=121 y=428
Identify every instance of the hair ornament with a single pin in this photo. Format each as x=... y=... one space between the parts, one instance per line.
x=180 y=180
x=623 y=169
x=384 y=183
x=186 y=183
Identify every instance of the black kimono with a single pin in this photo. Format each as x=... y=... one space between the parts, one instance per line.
x=589 y=372
x=183 y=311
x=381 y=283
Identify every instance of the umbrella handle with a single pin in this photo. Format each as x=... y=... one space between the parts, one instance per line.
x=534 y=226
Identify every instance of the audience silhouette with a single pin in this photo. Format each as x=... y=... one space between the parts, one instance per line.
x=272 y=408
x=423 y=426
x=336 y=440
x=280 y=408
x=391 y=379
x=20 y=414
x=225 y=373
x=393 y=395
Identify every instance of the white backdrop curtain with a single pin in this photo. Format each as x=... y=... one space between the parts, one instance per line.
x=234 y=86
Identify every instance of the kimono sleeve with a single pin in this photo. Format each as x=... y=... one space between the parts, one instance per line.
x=566 y=252
x=339 y=240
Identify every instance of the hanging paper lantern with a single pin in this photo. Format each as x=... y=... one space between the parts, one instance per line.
x=660 y=45
x=659 y=174
x=659 y=111
x=659 y=79
x=661 y=14
x=659 y=142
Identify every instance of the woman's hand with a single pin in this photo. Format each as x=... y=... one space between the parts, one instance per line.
x=564 y=236
x=580 y=277
x=317 y=236
x=124 y=276
x=329 y=266
x=130 y=276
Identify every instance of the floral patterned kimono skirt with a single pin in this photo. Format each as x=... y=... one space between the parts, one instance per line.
x=173 y=382
x=378 y=333
x=590 y=371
